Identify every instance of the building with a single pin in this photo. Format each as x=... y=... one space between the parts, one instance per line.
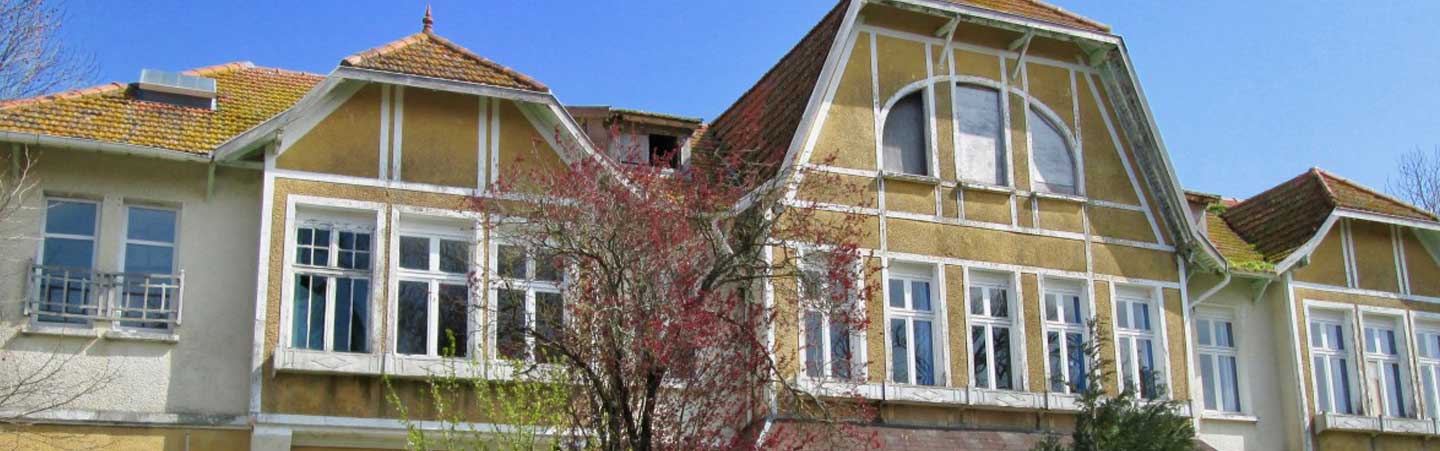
x=239 y=253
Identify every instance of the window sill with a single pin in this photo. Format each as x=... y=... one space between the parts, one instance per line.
x=57 y=330
x=307 y=361
x=1389 y=425
x=1228 y=416
x=147 y=336
x=1060 y=197
x=404 y=365
x=913 y=178
x=977 y=186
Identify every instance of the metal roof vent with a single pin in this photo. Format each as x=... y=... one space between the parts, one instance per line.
x=176 y=89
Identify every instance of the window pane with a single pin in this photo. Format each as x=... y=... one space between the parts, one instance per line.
x=904 y=142
x=839 y=350
x=980 y=357
x=899 y=352
x=510 y=327
x=1387 y=342
x=1335 y=337
x=549 y=322
x=415 y=253
x=69 y=253
x=814 y=344
x=1142 y=316
x=454 y=256
x=1127 y=363
x=1340 y=370
x=924 y=353
x=352 y=315
x=982 y=156
x=1371 y=344
x=510 y=262
x=977 y=301
x=147 y=259
x=1207 y=380
x=1202 y=330
x=1055 y=355
x=308 y=317
x=1122 y=314
x=920 y=295
x=1229 y=384
x=1052 y=308
x=1226 y=335
x=1075 y=345
x=1427 y=381
x=1074 y=311
x=1394 y=390
x=1149 y=374
x=897 y=293
x=1001 y=346
x=1317 y=334
x=546 y=268
x=1054 y=166
x=414 y=322
x=354 y=250
x=1322 y=383
x=454 y=321
x=70 y=218
x=150 y=224
x=999 y=303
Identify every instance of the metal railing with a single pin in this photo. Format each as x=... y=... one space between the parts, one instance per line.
x=67 y=295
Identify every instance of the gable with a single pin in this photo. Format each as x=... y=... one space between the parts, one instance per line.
x=1422 y=263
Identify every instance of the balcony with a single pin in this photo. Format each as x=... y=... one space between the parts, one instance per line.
x=81 y=297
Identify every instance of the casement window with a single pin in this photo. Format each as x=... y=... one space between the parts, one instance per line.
x=1066 y=331
x=1054 y=161
x=330 y=291
x=1427 y=342
x=529 y=307
x=149 y=285
x=64 y=278
x=1219 y=362
x=830 y=342
x=1385 y=370
x=981 y=135
x=913 y=328
x=1136 y=322
x=904 y=143
x=992 y=316
x=1330 y=362
x=433 y=314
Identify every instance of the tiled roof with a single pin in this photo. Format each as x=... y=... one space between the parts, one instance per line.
x=765 y=119
x=1283 y=218
x=428 y=55
x=1038 y=10
x=245 y=96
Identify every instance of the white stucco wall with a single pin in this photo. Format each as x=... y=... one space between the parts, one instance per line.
x=206 y=372
x=1262 y=365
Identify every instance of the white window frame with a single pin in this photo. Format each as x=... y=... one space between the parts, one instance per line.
x=337 y=212
x=1214 y=316
x=987 y=281
x=174 y=246
x=1391 y=321
x=1064 y=287
x=94 y=239
x=434 y=229
x=1427 y=329
x=915 y=272
x=857 y=336
x=529 y=285
x=1129 y=295
x=1333 y=316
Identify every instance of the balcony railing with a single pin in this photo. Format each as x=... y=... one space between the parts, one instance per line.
x=65 y=295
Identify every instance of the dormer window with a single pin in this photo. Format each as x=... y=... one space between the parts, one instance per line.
x=664 y=151
x=176 y=89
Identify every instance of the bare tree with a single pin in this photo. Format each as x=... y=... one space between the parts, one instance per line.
x=34 y=60
x=1417 y=180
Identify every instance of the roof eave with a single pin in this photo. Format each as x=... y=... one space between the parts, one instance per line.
x=36 y=139
x=1003 y=20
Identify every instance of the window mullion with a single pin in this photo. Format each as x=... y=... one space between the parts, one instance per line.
x=326 y=331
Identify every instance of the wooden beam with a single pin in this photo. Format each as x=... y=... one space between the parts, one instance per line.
x=1023 y=43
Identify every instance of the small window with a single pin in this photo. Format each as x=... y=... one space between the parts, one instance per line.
x=982 y=152
x=992 y=322
x=1136 y=330
x=913 y=327
x=1385 y=368
x=1219 y=361
x=1054 y=161
x=1330 y=365
x=330 y=295
x=1066 y=316
x=149 y=286
x=64 y=278
x=433 y=295
x=530 y=310
x=905 y=142
x=664 y=151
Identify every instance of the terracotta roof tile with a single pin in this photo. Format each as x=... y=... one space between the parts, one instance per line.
x=1038 y=10
x=765 y=119
x=429 y=55
x=245 y=96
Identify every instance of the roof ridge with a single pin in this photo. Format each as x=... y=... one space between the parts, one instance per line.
x=1324 y=175
x=392 y=46
x=219 y=68
x=78 y=92
x=381 y=49
x=486 y=61
x=1253 y=198
x=1072 y=15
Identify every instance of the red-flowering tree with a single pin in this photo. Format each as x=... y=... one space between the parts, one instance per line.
x=674 y=285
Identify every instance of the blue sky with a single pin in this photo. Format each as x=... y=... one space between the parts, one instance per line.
x=1247 y=94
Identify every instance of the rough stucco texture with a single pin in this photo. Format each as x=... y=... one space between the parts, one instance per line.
x=347 y=142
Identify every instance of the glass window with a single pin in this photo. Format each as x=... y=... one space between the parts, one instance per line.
x=529 y=305
x=991 y=326
x=828 y=335
x=1054 y=161
x=1385 y=369
x=904 y=143
x=913 y=331
x=1140 y=368
x=981 y=144
x=434 y=301
x=149 y=287
x=67 y=254
x=1065 y=332
x=1218 y=360
x=1330 y=363
x=330 y=292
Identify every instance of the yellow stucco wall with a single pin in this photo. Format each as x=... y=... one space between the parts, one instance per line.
x=959 y=333
x=900 y=62
x=74 y=437
x=523 y=149
x=1129 y=261
x=985 y=245
x=1175 y=341
x=987 y=206
x=1105 y=176
x=1422 y=266
x=1035 y=343
x=441 y=135
x=1123 y=224
x=909 y=197
x=1374 y=256
x=1327 y=262
x=1103 y=306
x=347 y=142
x=850 y=121
x=1062 y=215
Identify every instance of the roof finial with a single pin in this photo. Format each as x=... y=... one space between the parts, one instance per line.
x=428 y=21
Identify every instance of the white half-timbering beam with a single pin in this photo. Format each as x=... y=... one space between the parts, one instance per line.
x=1023 y=44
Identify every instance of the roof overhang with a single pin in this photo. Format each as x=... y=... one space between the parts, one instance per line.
x=81 y=144
x=1428 y=232
x=974 y=14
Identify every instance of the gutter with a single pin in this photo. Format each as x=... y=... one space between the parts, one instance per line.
x=1211 y=292
x=100 y=146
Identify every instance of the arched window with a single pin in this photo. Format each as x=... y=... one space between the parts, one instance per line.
x=904 y=144
x=1054 y=164
x=982 y=156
